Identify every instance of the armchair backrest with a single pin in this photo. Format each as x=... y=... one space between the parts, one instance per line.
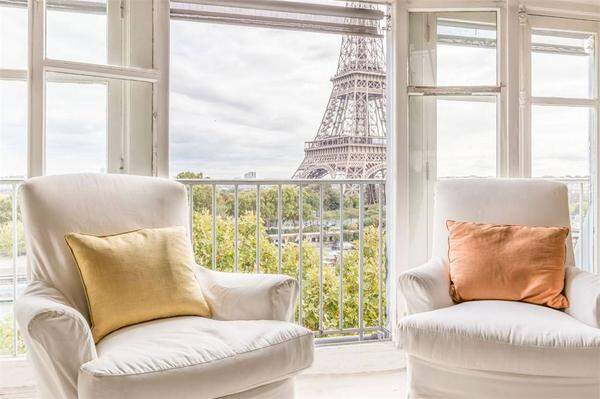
x=526 y=202
x=98 y=204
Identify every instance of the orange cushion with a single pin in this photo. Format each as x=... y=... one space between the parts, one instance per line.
x=515 y=263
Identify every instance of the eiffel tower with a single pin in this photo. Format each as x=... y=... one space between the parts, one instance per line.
x=351 y=140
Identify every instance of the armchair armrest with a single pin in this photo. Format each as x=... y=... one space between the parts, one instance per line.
x=242 y=296
x=583 y=292
x=425 y=288
x=57 y=336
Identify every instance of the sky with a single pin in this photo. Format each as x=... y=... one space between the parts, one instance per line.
x=246 y=99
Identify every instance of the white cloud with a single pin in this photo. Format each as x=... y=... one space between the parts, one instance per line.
x=249 y=105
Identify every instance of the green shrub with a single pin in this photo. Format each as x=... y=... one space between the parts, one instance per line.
x=6 y=238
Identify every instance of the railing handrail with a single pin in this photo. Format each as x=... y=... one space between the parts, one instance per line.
x=567 y=179
x=267 y=182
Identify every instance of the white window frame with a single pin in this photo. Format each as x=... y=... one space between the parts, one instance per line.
x=119 y=151
x=420 y=241
x=16 y=75
x=530 y=21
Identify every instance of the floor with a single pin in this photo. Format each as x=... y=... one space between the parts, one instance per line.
x=357 y=371
x=380 y=385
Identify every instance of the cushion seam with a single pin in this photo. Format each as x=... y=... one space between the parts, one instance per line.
x=437 y=332
x=99 y=375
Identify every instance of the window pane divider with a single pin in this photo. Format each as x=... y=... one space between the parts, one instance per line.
x=452 y=90
x=274 y=22
x=566 y=102
x=295 y=7
x=13 y=74
x=106 y=71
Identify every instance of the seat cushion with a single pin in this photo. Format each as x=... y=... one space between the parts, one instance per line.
x=194 y=357
x=504 y=336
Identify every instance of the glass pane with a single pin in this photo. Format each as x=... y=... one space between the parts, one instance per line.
x=466 y=137
x=249 y=111
x=560 y=141
x=13 y=37
x=560 y=146
x=562 y=64
x=76 y=123
x=461 y=51
x=77 y=31
x=13 y=129
x=466 y=49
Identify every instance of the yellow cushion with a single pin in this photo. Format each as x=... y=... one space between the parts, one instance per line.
x=137 y=276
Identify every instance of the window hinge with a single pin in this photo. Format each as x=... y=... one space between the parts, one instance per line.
x=122 y=165
x=522 y=15
x=122 y=7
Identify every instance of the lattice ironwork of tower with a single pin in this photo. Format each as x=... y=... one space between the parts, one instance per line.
x=351 y=140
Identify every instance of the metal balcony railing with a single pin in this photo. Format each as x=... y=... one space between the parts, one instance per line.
x=12 y=266
x=328 y=234
x=579 y=202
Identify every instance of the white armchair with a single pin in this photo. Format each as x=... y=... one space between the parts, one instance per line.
x=248 y=349
x=499 y=349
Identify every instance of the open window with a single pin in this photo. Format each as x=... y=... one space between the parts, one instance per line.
x=454 y=98
x=560 y=118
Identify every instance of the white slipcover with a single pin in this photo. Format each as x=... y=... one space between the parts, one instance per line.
x=499 y=349
x=249 y=349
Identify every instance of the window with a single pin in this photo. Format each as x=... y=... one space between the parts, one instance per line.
x=454 y=98
x=77 y=32
x=98 y=111
x=13 y=91
x=75 y=142
x=268 y=89
x=252 y=107
x=13 y=128
x=562 y=118
x=88 y=110
x=466 y=137
x=13 y=165
x=553 y=54
x=261 y=103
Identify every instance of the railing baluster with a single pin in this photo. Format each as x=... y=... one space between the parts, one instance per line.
x=15 y=252
x=380 y=255
x=341 y=297
x=361 y=215
x=300 y=232
x=279 y=226
x=581 y=227
x=257 y=228
x=321 y=258
x=214 y=227
x=235 y=228
x=190 y=190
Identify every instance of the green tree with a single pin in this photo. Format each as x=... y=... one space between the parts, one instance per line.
x=6 y=337
x=6 y=239
x=202 y=226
